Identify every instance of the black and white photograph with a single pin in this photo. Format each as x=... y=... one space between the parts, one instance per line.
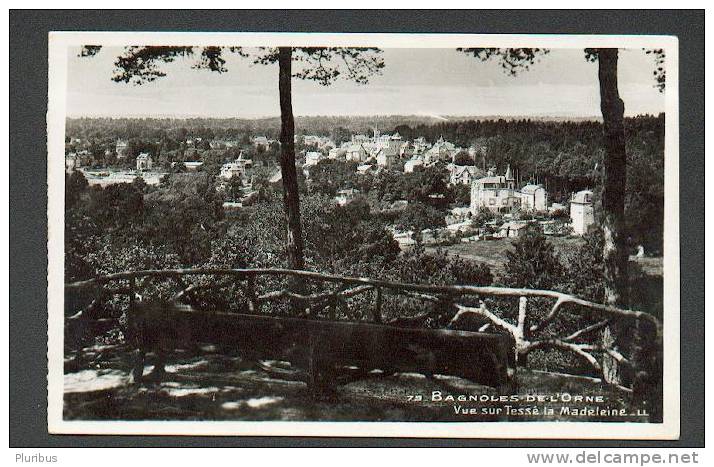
x=363 y=235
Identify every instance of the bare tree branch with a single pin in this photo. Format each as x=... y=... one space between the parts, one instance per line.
x=483 y=312
x=591 y=328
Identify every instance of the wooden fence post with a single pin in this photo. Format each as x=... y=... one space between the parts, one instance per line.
x=253 y=302
x=132 y=292
x=378 y=307
x=134 y=334
x=332 y=307
x=519 y=340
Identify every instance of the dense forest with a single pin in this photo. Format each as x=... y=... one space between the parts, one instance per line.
x=234 y=127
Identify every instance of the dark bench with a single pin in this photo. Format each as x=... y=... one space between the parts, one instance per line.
x=321 y=347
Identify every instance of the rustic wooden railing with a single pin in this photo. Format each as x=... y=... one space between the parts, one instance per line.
x=598 y=316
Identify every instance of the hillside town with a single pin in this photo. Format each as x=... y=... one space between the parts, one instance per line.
x=500 y=203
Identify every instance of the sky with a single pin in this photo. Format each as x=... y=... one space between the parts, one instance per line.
x=437 y=82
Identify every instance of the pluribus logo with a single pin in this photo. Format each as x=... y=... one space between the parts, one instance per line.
x=34 y=458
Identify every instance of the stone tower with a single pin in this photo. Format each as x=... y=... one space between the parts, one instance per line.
x=582 y=213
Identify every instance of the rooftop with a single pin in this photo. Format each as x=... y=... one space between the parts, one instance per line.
x=582 y=197
x=530 y=188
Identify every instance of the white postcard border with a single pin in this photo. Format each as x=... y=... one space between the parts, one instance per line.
x=669 y=429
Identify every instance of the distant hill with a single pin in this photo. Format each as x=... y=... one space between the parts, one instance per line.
x=270 y=126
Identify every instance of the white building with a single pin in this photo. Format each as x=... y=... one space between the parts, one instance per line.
x=413 y=163
x=406 y=150
x=385 y=157
x=237 y=168
x=355 y=153
x=360 y=139
x=345 y=196
x=71 y=162
x=495 y=192
x=337 y=154
x=372 y=145
x=462 y=174
x=498 y=193
x=321 y=142
x=365 y=169
x=582 y=213
x=458 y=215
x=420 y=145
x=313 y=157
x=390 y=142
x=534 y=198
x=441 y=151
x=192 y=166
x=121 y=147
x=144 y=162
x=511 y=229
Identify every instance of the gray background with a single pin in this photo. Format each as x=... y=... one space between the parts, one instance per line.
x=28 y=200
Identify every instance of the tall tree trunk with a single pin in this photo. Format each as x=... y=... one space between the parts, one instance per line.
x=613 y=197
x=291 y=198
x=615 y=253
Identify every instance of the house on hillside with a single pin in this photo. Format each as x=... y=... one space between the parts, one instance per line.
x=534 y=198
x=390 y=142
x=355 y=153
x=458 y=214
x=313 y=157
x=462 y=174
x=121 y=148
x=386 y=157
x=365 y=169
x=192 y=166
x=511 y=229
x=496 y=193
x=194 y=142
x=345 y=196
x=413 y=163
x=441 y=151
x=360 y=139
x=144 y=162
x=222 y=144
x=321 y=142
x=72 y=162
x=237 y=168
x=406 y=150
x=420 y=145
x=337 y=154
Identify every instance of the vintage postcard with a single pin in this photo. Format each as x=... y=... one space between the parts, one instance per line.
x=393 y=235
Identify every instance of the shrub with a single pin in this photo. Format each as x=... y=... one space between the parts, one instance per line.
x=533 y=262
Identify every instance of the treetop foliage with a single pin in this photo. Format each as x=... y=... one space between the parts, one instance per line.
x=660 y=72
x=511 y=60
x=532 y=262
x=514 y=60
x=324 y=65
